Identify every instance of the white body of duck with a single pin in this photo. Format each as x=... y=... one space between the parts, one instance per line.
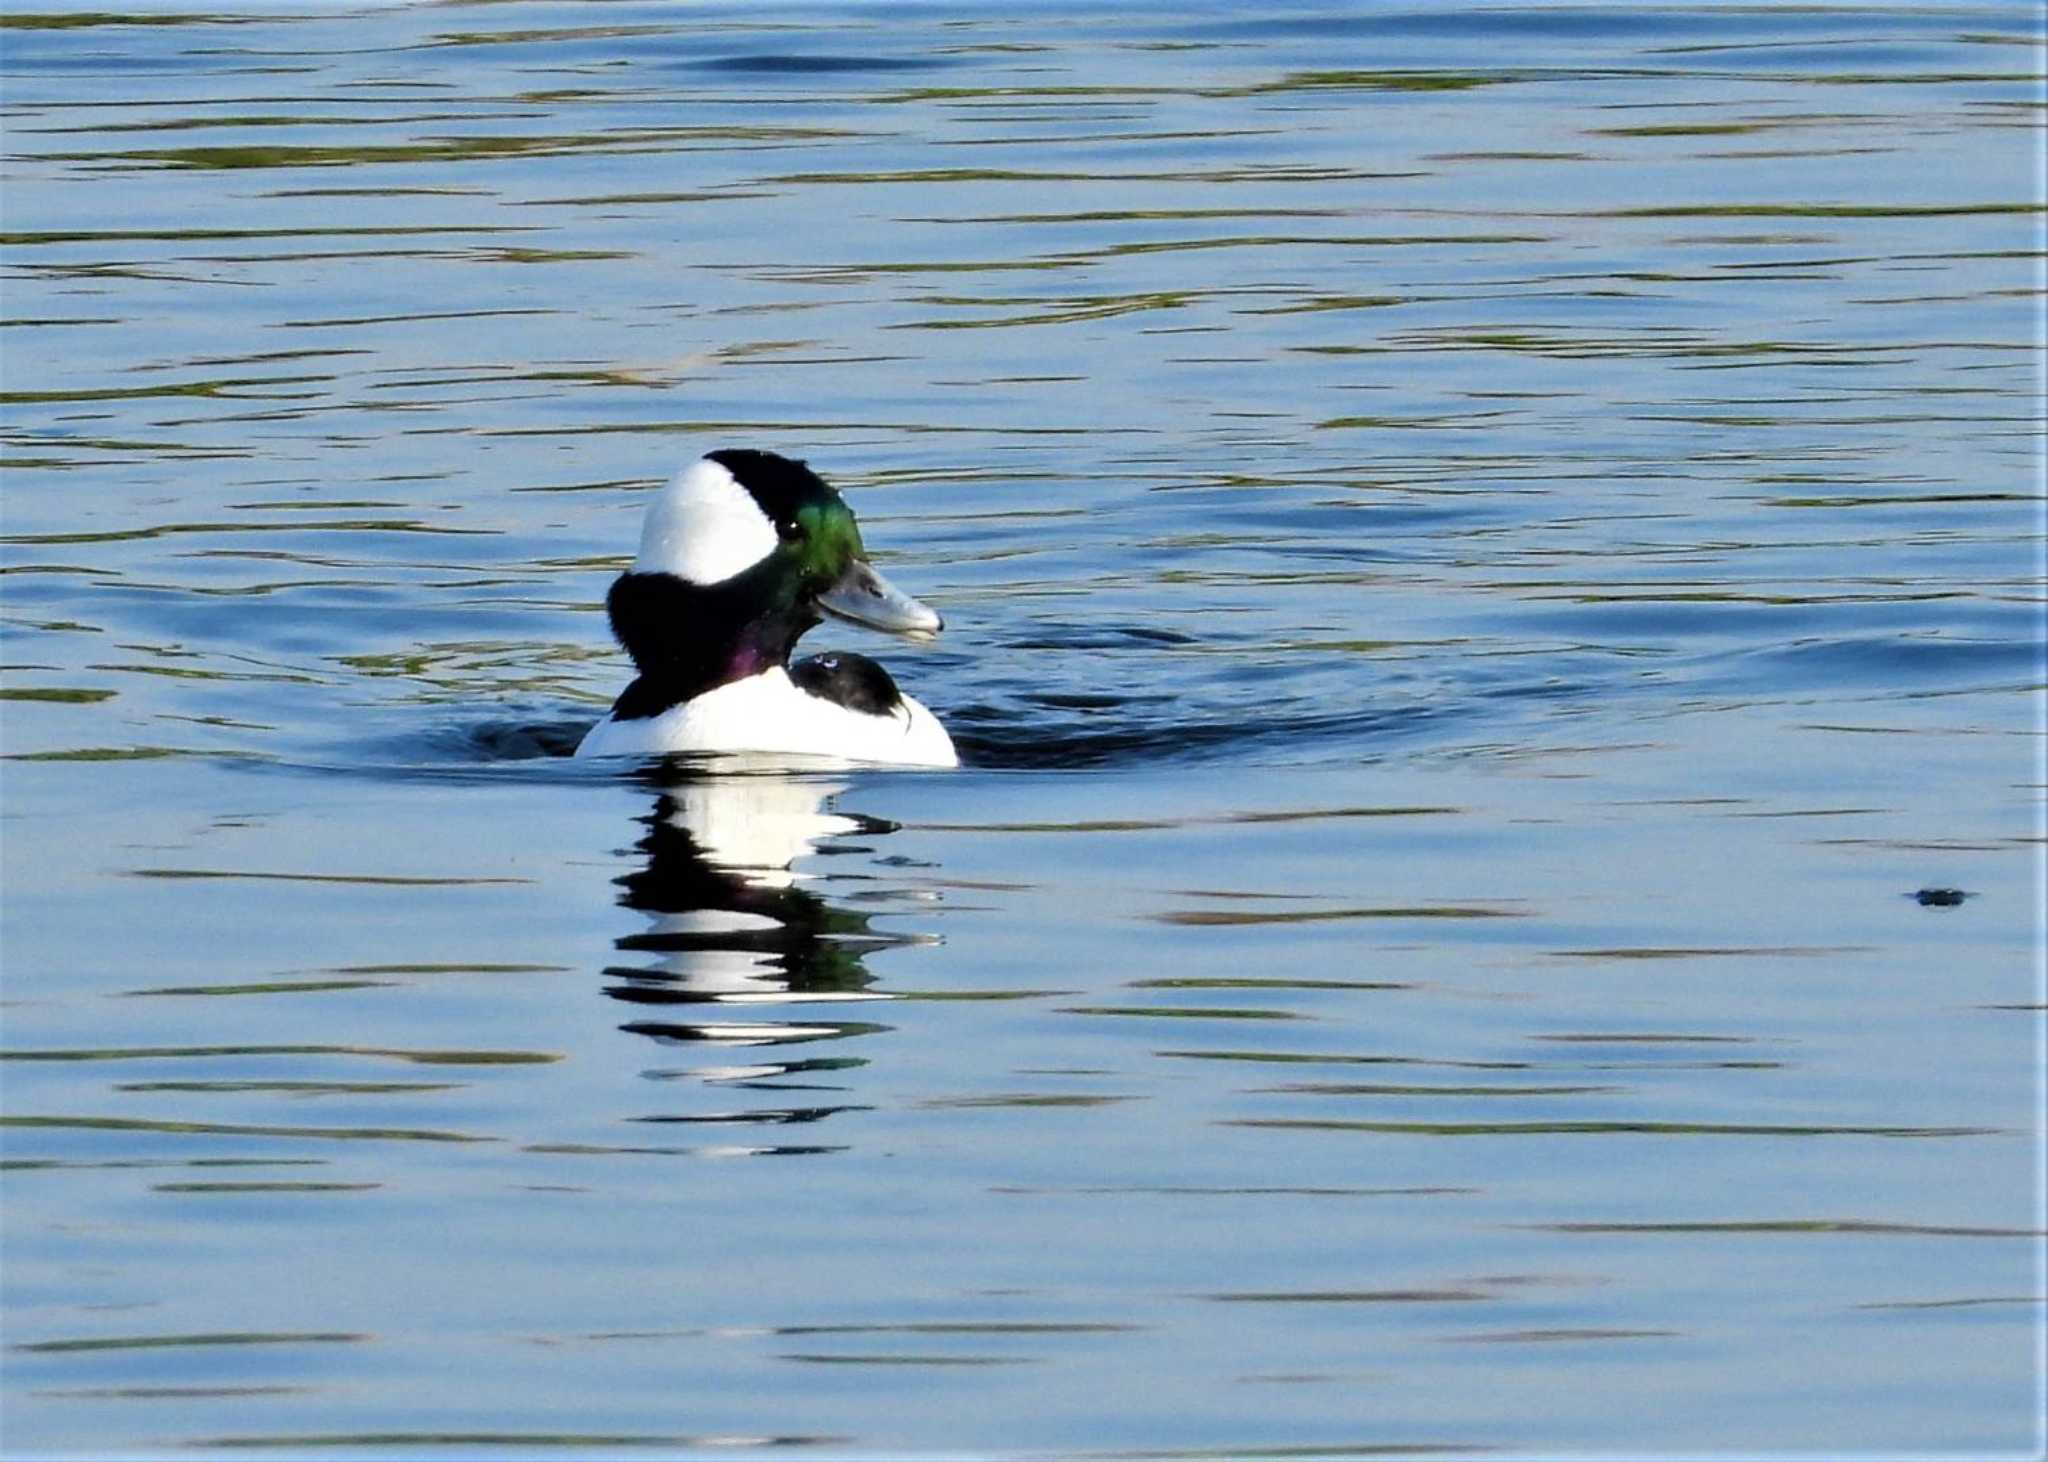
x=738 y=556
x=768 y=712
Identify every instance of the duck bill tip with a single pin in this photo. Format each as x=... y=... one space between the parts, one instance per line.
x=862 y=596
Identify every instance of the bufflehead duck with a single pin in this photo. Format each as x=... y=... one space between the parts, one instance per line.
x=737 y=557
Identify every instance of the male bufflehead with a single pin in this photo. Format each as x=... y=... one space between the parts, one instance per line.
x=737 y=556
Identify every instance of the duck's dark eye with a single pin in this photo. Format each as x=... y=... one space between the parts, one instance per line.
x=787 y=530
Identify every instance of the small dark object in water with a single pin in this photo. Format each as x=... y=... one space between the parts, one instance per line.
x=1940 y=898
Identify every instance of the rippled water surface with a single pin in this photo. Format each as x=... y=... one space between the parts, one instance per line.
x=1492 y=568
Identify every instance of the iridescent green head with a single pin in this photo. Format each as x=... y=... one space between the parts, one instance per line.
x=822 y=539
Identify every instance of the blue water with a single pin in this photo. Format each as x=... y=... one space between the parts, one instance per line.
x=1492 y=566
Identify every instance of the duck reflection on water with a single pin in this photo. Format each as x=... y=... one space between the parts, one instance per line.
x=733 y=929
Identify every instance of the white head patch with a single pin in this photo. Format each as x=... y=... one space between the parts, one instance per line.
x=703 y=527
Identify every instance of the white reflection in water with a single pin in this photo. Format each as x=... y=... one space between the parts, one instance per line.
x=730 y=920
x=755 y=826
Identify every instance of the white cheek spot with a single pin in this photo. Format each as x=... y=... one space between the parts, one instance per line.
x=703 y=527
